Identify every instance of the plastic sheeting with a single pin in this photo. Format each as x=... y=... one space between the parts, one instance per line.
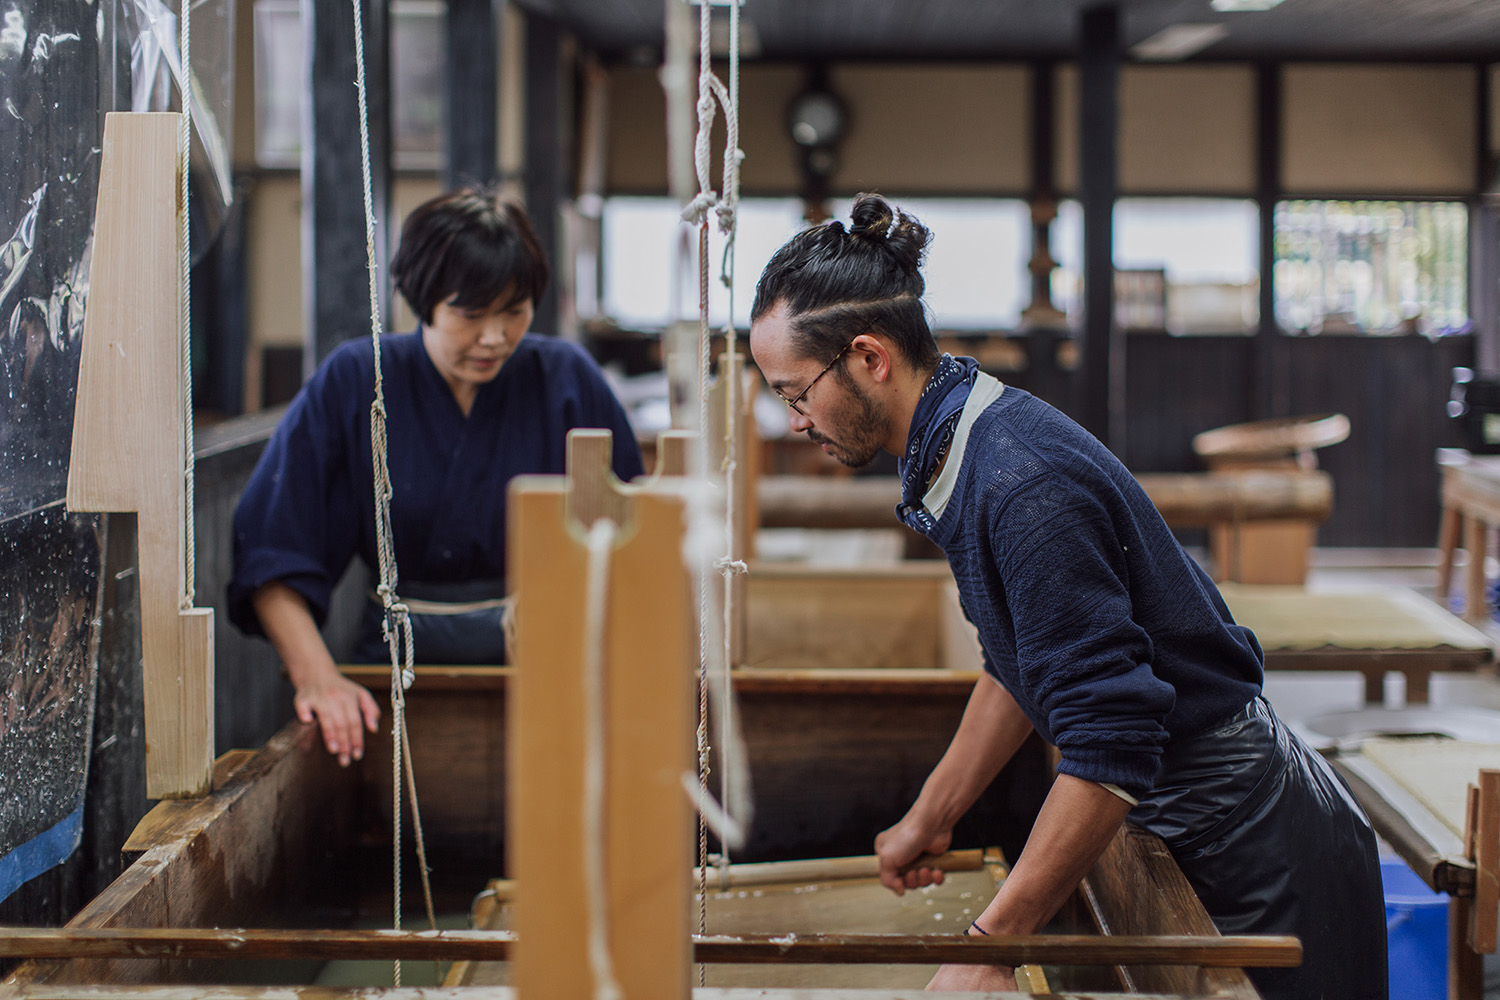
x=63 y=65
x=49 y=610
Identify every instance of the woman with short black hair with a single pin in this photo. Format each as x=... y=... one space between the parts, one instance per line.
x=471 y=402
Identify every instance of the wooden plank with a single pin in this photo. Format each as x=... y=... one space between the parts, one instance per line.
x=648 y=829
x=1476 y=543
x=128 y=434
x=1210 y=951
x=1137 y=888
x=1185 y=499
x=853 y=617
x=239 y=855
x=463 y=993
x=1485 y=851
x=1442 y=870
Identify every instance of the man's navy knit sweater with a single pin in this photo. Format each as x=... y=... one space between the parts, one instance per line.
x=1113 y=641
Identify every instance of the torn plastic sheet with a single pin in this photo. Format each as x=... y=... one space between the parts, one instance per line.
x=15 y=254
x=155 y=59
x=50 y=606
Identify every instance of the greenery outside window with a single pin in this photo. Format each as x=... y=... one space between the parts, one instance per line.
x=1377 y=267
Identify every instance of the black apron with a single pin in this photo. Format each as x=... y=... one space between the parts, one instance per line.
x=450 y=623
x=1273 y=842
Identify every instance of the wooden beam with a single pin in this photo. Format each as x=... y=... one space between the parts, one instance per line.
x=471 y=91
x=450 y=993
x=335 y=283
x=1102 y=396
x=129 y=435
x=1484 y=827
x=802 y=949
x=1136 y=888
x=647 y=828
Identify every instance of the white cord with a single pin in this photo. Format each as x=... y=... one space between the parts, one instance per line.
x=185 y=300
x=601 y=540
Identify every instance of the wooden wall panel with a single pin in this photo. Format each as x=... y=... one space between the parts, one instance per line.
x=934 y=129
x=960 y=129
x=1176 y=387
x=1382 y=130
x=1187 y=128
x=1394 y=391
x=637 y=154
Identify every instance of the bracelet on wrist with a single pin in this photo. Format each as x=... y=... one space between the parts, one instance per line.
x=974 y=925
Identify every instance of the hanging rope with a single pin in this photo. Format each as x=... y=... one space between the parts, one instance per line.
x=185 y=300
x=397 y=622
x=728 y=822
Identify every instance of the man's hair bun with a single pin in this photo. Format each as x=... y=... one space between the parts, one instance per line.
x=877 y=221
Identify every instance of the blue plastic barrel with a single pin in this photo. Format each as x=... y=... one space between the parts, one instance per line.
x=1416 y=922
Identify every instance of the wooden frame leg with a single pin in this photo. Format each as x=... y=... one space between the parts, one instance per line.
x=1416 y=686
x=1476 y=607
x=1374 y=685
x=1449 y=528
x=1465 y=966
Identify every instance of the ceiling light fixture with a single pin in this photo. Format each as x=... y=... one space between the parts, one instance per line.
x=1243 y=5
x=1178 y=42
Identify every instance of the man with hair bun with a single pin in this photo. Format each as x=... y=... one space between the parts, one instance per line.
x=472 y=401
x=1099 y=632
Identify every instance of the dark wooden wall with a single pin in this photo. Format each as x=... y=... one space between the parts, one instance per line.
x=1393 y=389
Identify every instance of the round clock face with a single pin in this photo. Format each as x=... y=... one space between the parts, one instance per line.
x=816 y=119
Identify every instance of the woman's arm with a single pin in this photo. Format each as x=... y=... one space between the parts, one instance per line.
x=992 y=730
x=339 y=704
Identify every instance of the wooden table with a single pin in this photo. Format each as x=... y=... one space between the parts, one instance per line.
x=1371 y=631
x=1471 y=507
x=1437 y=802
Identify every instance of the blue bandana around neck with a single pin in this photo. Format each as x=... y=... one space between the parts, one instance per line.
x=932 y=424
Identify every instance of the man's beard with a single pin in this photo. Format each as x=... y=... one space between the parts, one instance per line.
x=862 y=429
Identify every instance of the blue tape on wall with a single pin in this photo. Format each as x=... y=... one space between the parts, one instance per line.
x=46 y=850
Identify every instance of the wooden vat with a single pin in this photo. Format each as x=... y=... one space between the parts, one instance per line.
x=250 y=854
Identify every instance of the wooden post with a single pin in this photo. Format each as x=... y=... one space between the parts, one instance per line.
x=743 y=483
x=129 y=435
x=648 y=727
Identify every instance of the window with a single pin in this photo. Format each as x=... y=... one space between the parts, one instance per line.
x=976 y=263
x=975 y=271
x=1372 y=266
x=417 y=54
x=650 y=259
x=1187 y=265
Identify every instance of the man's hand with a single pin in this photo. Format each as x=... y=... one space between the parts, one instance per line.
x=904 y=843
x=340 y=705
x=973 y=978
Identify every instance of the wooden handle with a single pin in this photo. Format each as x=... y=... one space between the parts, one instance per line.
x=830 y=869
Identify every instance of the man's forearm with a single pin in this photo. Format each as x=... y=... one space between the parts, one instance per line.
x=1076 y=824
x=992 y=730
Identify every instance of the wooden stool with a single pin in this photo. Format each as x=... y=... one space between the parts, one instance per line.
x=1271 y=551
x=1471 y=506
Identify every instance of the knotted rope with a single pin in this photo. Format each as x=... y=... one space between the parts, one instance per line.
x=397 y=622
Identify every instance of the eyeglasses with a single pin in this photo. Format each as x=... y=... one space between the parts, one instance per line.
x=797 y=399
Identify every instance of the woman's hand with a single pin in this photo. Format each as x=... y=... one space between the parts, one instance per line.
x=904 y=843
x=340 y=706
x=974 y=978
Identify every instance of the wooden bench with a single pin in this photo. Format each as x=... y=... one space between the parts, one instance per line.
x=1471 y=507
x=1372 y=631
